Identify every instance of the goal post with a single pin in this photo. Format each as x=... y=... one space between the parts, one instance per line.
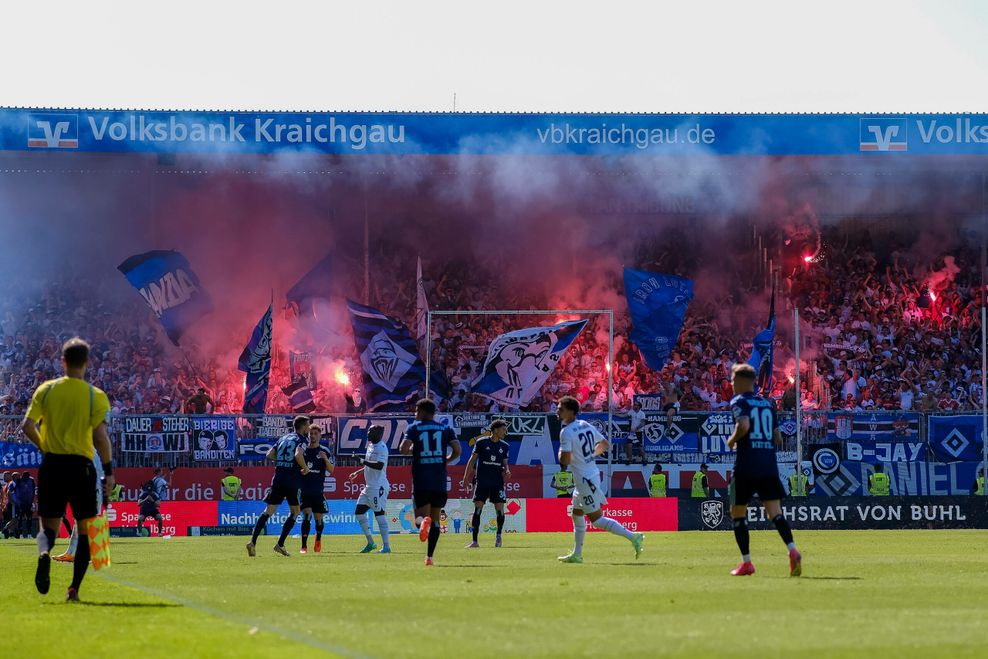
x=609 y=313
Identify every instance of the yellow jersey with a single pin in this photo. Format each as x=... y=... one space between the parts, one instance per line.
x=67 y=409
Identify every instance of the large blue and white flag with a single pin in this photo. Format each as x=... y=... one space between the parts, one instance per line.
x=167 y=283
x=518 y=363
x=393 y=371
x=762 y=351
x=658 y=306
x=314 y=285
x=255 y=360
x=300 y=397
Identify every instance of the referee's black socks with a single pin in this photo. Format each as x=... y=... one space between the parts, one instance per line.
x=258 y=527
x=500 y=521
x=783 y=528
x=81 y=563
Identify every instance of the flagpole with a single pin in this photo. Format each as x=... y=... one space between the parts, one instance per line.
x=367 y=253
x=799 y=401
x=610 y=388
x=428 y=353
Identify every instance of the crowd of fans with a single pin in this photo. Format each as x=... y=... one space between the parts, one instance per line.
x=880 y=333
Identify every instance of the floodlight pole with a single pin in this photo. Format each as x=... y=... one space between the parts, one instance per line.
x=799 y=400
x=428 y=354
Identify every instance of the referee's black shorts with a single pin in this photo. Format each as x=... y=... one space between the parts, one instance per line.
x=67 y=480
x=768 y=487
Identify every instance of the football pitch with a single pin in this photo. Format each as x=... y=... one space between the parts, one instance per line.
x=863 y=593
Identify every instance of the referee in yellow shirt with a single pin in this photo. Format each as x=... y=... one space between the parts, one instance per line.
x=67 y=422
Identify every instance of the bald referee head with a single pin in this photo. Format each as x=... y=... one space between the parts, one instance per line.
x=67 y=422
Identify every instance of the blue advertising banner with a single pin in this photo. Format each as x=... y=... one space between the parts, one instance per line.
x=74 y=130
x=955 y=438
x=906 y=478
x=15 y=454
x=340 y=520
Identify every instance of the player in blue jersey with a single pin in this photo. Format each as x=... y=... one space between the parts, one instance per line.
x=490 y=462
x=432 y=446
x=756 y=435
x=312 y=499
x=290 y=467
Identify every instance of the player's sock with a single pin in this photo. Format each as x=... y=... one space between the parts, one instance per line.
x=500 y=521
x=365 y=527
x=46 y=541
x=286 y=528
x=434 y=532
x=613 y=526
x=80 y=564
x=579 y=533
x=418 y=522
x=306 y=526
x=382 y=526
x=258 y=527
x=742 y=537
x=782 y=526
x=161 y=528
x=475 y=521
x=320 y=525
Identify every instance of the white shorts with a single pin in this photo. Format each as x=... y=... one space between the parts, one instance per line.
x=374 y=496
x=588 y=496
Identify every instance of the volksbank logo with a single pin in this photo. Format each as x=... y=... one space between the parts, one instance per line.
x=51 y=130
x=883 y=134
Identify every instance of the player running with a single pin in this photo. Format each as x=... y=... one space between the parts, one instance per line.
x=374 y=493
x=579 y=446
x=149 y=505
x=313 y=500
x=490 y=460
x=289 y=469
x=428 y=443
x=755 y=437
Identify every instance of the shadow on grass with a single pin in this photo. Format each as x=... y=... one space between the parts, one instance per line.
x=124 y=605
x=834 y=578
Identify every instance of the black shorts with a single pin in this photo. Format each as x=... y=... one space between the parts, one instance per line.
x=67 y=479
x=767 y=487
x=150 y=511
x=492 y=493
x=314 y=500
x=432 y=498
x=281 y=493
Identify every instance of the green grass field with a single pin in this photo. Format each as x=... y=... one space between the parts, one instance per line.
x=894 y=593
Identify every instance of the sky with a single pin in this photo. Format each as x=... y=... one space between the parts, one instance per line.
x=574 y=56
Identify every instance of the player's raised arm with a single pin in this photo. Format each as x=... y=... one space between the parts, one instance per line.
x=329 y=462
x=406 y=445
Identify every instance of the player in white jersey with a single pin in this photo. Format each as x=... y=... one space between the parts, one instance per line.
x=69 y=554
x=579 y=446
x=374 y=493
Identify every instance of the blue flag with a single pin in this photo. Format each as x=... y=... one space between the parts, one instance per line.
x=315 y=285
x=762 y=351
x=658 y=306
x=255 y=360
x=518 y=363
x=393 y=371
x=167 y=283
